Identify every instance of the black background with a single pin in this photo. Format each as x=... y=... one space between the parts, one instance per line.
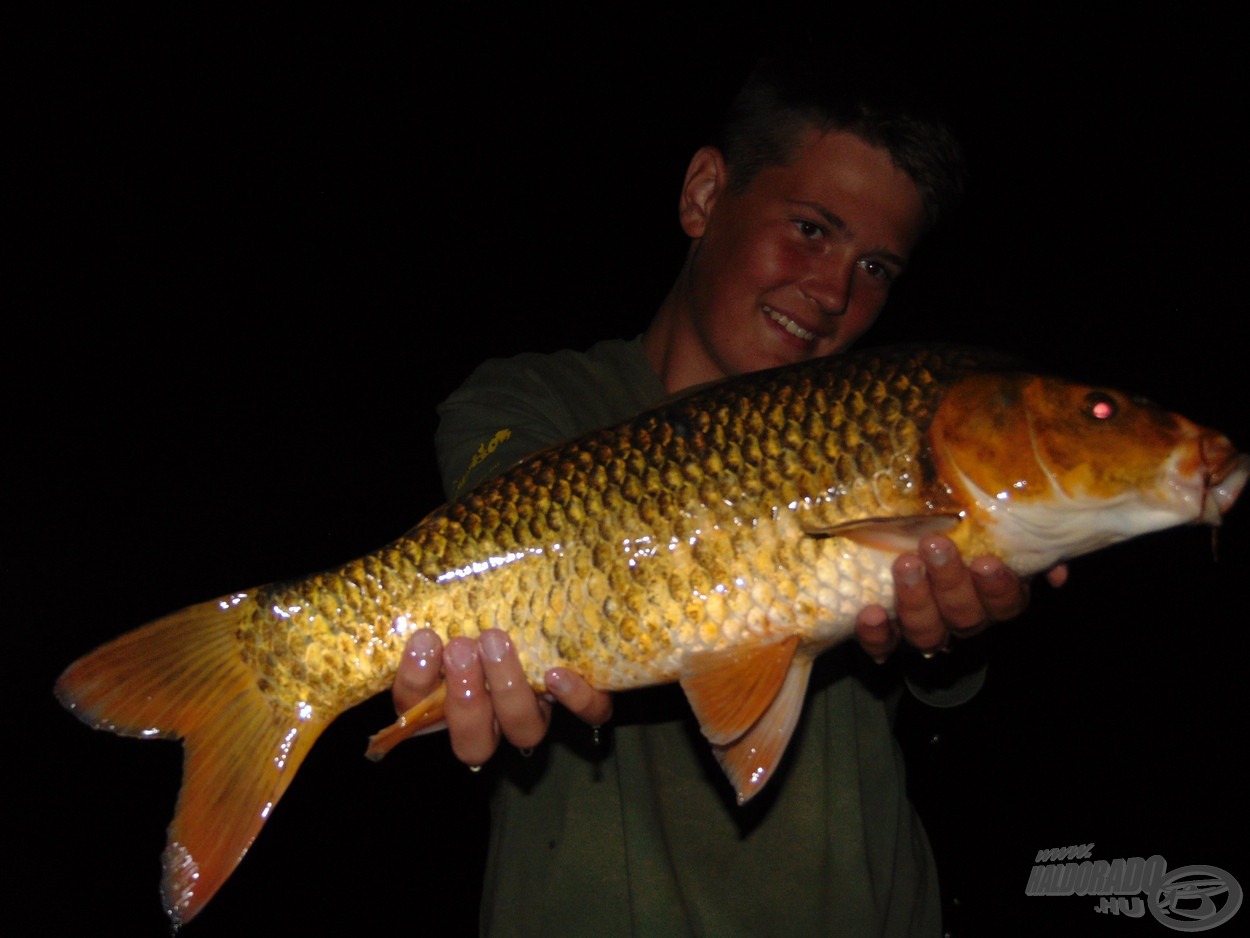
x=254 y=252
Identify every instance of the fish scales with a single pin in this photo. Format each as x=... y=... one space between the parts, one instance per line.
x=620 y=553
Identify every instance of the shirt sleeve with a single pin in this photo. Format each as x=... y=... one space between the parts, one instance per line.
x=504 y=412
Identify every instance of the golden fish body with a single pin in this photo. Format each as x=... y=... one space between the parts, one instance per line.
x=723 y=539
x=622 y=553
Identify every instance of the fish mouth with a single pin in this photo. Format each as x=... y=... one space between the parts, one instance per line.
x=1226 y=475
x=790 y=326
x=1209 y=477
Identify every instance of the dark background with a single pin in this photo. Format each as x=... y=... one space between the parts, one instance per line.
x=254 y=253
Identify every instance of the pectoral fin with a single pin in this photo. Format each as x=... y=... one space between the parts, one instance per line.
x=895 y=535
x=425 y=716
x=751 y=760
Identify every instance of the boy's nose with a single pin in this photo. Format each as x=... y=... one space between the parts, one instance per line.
x=828 y=283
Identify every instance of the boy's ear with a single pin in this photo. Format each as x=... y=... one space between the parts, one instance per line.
x=706 y=176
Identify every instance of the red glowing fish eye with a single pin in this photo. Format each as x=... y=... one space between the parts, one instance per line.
x=1100 y=406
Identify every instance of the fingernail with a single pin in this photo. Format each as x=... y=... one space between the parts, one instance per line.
x=875 y=618
x=557 y=680
x=495 y=645
x=938 y=552
x=988 y=568
x=910 y=570
x=460 y=655
x=422 y=647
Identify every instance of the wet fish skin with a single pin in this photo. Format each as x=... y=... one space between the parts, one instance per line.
x=618 y=554
x=723 y=539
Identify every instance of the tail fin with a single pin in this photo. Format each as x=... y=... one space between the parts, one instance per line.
x=183 y=677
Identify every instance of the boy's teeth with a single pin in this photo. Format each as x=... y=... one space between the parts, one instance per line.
x=790 y=325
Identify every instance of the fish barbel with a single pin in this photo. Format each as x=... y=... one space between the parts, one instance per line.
x=723 y=539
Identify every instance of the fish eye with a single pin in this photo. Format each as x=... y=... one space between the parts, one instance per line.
x=1100 y=406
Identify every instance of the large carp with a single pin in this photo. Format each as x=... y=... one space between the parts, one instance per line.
x=723 y=539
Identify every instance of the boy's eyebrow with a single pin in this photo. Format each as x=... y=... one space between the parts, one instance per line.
x=835 y=222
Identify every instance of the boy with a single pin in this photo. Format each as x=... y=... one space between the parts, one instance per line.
x=800 y=219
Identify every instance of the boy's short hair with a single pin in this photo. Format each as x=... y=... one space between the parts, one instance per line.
x=782 y=97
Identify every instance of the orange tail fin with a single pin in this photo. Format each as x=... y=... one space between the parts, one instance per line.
x=182 y=677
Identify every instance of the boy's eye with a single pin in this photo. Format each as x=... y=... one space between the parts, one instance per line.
x=876 y=270
x=809 y=229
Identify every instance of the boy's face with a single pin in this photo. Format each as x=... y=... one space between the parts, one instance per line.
x=799 y=264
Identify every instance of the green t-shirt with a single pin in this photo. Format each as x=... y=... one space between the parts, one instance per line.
x=638 y=833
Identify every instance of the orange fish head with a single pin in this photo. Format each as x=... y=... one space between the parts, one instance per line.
x=1054 y=469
